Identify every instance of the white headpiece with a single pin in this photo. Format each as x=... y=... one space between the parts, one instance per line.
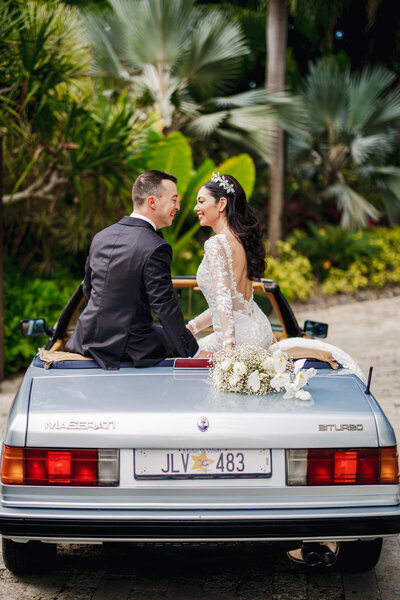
x=223 y=182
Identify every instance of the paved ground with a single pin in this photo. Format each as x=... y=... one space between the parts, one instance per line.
x=370 y=331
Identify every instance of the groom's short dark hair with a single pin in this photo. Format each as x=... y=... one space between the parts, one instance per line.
x=149 y=184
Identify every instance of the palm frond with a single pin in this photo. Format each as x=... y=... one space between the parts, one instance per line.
x=355 y=209
x=386 y=111
x=364 y=148
x=289 y=111
x=101 y=33
x=215 y=51
x=155 y=30
x=368 y=85
x=325 y=94
x=250 y=98
x=299 y=153
x=205 y=125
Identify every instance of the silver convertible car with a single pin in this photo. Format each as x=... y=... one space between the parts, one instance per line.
x=157 y=454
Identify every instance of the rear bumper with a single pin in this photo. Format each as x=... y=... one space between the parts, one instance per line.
x=199 y=526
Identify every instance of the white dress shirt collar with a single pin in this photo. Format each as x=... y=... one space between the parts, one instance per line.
x=137 y=215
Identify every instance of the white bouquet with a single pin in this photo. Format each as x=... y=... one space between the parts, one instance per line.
x=252 y=370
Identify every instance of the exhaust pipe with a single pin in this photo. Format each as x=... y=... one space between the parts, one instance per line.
x=311 y=554
x=315 y=553
x=328 y=558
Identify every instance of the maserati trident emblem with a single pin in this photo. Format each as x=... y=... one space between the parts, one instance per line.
x=202 y=423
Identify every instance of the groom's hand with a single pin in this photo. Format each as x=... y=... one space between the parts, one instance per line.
x=203 y=354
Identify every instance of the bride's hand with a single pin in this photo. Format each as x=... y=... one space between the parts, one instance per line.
x=204 y=354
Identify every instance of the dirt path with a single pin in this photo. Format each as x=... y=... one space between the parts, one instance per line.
x=370 y=332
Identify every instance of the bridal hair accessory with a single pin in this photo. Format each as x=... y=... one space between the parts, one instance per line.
x=223 y=182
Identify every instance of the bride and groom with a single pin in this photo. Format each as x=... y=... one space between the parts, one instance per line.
x=128 y=279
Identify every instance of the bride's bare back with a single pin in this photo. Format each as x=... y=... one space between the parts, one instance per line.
x=239 y=267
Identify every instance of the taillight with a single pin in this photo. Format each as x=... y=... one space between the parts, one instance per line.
x=42 y=466
x=361 y=466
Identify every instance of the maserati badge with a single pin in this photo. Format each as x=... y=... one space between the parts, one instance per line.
x=202 y=423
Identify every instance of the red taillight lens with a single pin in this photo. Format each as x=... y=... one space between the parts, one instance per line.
x=320 y=467
x=368 y=466
x=35 y=467
x=61 y=467
x=345 y=466
x=361 y=467
x=42 y=466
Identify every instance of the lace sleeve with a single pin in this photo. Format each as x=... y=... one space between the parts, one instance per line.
x=201 y=321
x=219 y=269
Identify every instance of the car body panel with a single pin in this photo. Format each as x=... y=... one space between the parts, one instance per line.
x=109 y=408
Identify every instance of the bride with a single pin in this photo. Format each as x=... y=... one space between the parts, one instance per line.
x=233 y=258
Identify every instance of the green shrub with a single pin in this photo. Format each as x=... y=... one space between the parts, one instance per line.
x=24 y=298
x=350 y=280
x=385 y=266
x=333 y=248
x=292 y=272
x=342 y=261
x=375 y=271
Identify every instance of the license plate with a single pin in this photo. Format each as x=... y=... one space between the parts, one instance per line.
x=202 y=463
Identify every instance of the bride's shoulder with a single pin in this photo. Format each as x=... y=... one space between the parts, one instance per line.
x=215 y=241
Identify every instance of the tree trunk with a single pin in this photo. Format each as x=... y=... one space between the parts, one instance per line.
x=275 y=78
x=1 y=266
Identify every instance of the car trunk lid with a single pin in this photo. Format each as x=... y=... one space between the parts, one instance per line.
x=161 y=408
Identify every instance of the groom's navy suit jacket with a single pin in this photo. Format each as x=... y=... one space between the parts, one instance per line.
x=127 y=278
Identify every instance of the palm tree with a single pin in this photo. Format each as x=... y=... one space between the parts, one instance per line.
x=276 y=79
x=178 y=59
x=351 y=137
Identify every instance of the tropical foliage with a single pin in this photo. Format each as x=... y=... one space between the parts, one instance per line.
x=177 y=59
x=70 y=153
x=28 y=297
x=351 y=137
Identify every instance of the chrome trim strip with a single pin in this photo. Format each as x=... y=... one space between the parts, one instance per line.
x=194 y=540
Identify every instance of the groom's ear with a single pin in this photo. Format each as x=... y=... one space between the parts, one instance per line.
x=151 y=202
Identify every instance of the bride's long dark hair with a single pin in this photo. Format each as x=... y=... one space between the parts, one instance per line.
x=243 y=223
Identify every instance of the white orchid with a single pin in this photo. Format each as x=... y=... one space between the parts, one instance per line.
x=303 y=376
x=297 y=366
x=280 y=361
x=301 y=379
x=254 y=381
x=303 y=395
x=290 y=391
x=280 y=380
x=226 y=364
x=240 y=368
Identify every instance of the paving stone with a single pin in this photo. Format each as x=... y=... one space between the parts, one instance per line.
x=361 y=586
x=388 y=570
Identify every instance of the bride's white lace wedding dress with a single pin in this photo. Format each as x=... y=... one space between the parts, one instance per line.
x=234 y=319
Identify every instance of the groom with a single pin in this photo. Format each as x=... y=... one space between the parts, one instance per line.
x=127 y=278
